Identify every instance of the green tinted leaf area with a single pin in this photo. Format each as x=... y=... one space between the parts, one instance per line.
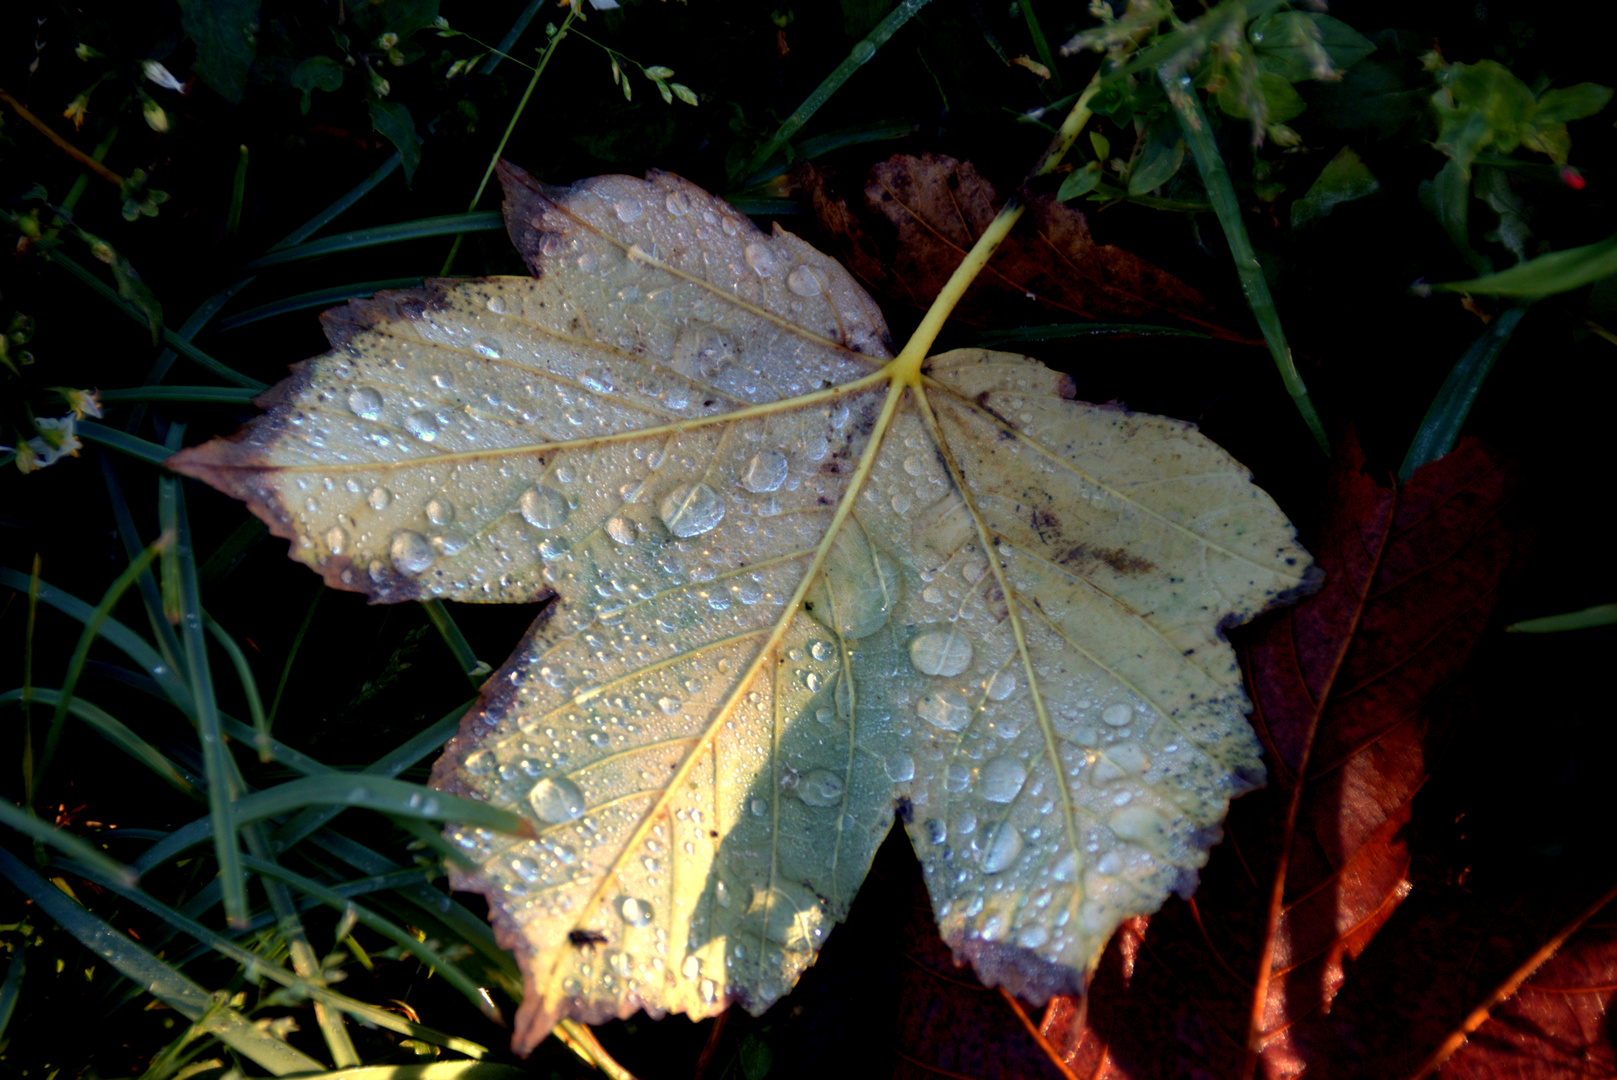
x=789 y=584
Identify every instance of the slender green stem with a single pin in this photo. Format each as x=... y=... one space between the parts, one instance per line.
x=473 y=668
x=291 y=655
x=511 y=126
x=1216 y=179
x=238 y=195
x=249 y=685
x=1040 y=45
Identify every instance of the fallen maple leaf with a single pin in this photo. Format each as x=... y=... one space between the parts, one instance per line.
x=789 y=583
x=920 y=215
x=1315 y=865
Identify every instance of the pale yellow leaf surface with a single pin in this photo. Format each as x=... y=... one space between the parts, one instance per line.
x=790 y=585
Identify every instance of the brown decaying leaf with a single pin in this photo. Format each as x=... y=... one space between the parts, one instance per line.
x=920 y=215
x=1314 y=866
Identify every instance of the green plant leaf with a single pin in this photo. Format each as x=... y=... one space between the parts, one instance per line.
x=1571 y=103
x=1159 y=159
x=395 y=124
x=225 y=32
x=788 y=584
x=1080 y=182
x=1300 y=45
x=316 y=73
x=1345 y=178
x=1557 y=272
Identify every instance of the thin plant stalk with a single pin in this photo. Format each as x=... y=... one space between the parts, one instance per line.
x=1216 y=179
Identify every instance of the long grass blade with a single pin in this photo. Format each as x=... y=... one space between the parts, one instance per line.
x=123 y=442
x=473 y=668
x=255 y=965
x=428 y=955
x=65 y=842
x=1440 y=428
x=170 y=338
x=11 y=987
x=117 y=733
x=220 y=395
x=126 y=640
x=359 y=239
x=1216 y=179
x=151 y=596
x=857 y=58
x=319 y=298
x=141 y=967
x=216 y=763
x=1599 y=615
x=249 y=685
x=292 y=655
x=81 y=652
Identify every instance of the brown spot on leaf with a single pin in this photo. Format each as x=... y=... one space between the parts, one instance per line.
x=1120 y=559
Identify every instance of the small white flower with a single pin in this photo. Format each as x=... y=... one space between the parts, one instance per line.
x=56 y=440
x=160 y=75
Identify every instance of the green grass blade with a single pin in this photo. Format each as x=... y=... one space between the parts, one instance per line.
x=342 y=203
x=428 y=955
x=126 y=640
x=123 y=442
x=256 y=965
x=151 y=597
x=11 y=987
x=1599 y=615
x=473 y=668
x=217 y=765
x=391 y=764
x=116 y=732
x=65 y=842
x=485 y=221
x=238 y=195
x=232 y=550
x=319 y=298
x=379 y=793
x=1440 y=429
x=1557 y=272
x=81 y=652
x=1216 y=179
x=857 y=58
x=141 y=967
x=170 y=338
x=221 y=395
x=249 y=685
x=1041 y=47
x=292 y=655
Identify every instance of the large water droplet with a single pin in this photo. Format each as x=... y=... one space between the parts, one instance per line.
x=379 y=498
x=496 y=304
x=337 y=539
x=760 y=258
x=423 y=425
x=365 y=403
x=765 y=472
x=822 y=650
x=628 y=210
x=543 y=508
x=1002 y=685
x=946 y=709
x=486 y=348
x=941 y=652
x=803 y=281
x=678 y=203
x=1003 y=779
x=1117 y=715
x=622 y=530
x=556 y=799
x=1142 y=824
x=440 y=511
x=900 y=768
x=1002 y=849
x=820 y=787
x=411 y=552
x=691 y=510
x=634 y=912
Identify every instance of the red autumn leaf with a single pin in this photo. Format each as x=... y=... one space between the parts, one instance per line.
x=1312 y=867
x=920 y=215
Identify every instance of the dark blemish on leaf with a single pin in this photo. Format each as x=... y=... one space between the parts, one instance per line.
x=1119 y=559
x=904 y=809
